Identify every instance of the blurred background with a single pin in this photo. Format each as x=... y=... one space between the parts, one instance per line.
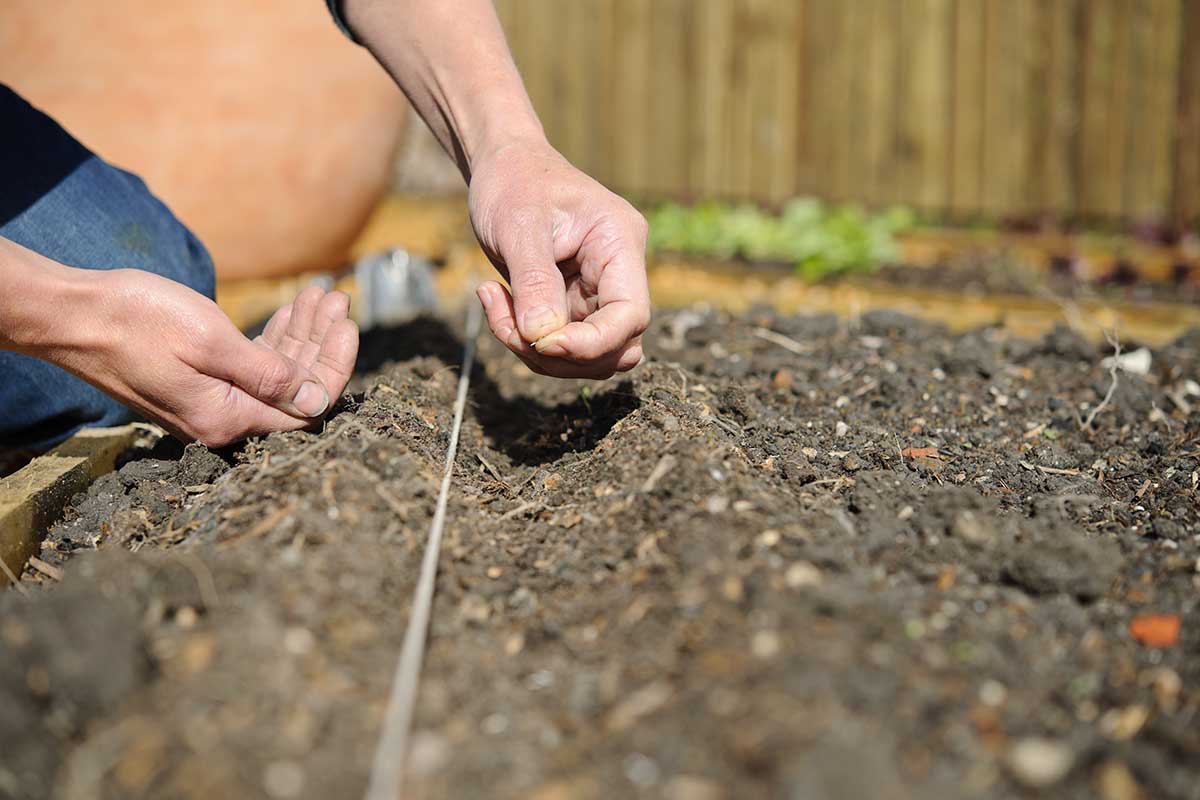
x=1009 y=153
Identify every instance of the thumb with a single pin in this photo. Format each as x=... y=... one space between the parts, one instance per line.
x=538 y=290
x=276 y=380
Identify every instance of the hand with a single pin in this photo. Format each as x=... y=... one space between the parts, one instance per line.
x=171 y=354
x=574 y=254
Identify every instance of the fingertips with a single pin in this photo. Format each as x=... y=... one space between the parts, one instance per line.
x=276 y=327
x=335 y=363
x=304 y=313
x=498 y=307
x=331 y=308
x=606 y=332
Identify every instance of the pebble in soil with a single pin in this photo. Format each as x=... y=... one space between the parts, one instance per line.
x=786 y=557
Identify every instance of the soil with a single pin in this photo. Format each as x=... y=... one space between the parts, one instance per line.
x=825 y=561
x=1117 y=281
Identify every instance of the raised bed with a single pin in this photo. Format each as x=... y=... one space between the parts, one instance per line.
x=788 y=556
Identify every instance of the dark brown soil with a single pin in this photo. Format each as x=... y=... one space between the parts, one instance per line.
x=741 y=572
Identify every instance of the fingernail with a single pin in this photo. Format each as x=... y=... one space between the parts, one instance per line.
x=311 y=400
x=540 y=321
x=515 y=341
x=550 y=346
x=484 y=298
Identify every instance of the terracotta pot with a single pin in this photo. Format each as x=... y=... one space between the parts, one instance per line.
x=262 y=127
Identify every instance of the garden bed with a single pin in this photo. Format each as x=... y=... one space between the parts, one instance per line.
x=785 y=557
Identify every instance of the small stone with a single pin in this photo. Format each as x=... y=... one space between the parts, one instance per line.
x=1124 y=723
x=494 y=572
x=783 y=379
x=283 y=779
x=641 y=770
x=186 y=617
x=716 y=504
x=1116 y=782
x=992 y=693
x=474 y=609
x=841 y=429
x=802 y=573
x=428 y=753
x=765 y=644
x=299 y=641
x=768 y=538
x=852 y=463
x=972 y=527
x=494 y=724
x=1038 y=763
x=551 y=481
x=691 y=787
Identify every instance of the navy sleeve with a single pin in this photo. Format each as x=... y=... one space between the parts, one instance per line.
x=335 y=8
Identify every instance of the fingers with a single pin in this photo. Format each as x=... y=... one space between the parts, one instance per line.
x=303 y=360
x=274 y=379
x=498 y=306
x=335 y=360
x=539 y=293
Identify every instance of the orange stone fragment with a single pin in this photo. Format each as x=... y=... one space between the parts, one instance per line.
x=1155 y=630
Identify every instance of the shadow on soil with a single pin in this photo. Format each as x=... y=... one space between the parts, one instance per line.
x=527 y=430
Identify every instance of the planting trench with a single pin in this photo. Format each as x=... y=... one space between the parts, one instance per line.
x=785 y=557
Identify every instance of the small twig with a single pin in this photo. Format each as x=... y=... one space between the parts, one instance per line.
x=1112 y=387
x=786 y=342
x=22 y=588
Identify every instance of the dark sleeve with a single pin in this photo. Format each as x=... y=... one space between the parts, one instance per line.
x=335 y=8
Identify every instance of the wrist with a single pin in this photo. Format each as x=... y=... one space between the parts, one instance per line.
x=45 y=305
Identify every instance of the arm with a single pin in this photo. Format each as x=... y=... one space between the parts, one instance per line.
x=169 y=353
x=573 y=252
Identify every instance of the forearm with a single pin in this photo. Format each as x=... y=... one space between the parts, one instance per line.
x=451 y=60
x=38 y=300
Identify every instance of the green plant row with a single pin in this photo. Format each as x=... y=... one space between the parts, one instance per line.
x=820 y=240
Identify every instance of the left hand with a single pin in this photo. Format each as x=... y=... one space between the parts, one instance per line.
x=575 y=256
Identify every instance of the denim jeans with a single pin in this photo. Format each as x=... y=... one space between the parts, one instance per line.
x=59 y=199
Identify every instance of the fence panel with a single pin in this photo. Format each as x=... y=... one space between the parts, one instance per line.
x=1080 y=108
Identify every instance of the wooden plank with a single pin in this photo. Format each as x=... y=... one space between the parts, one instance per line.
x=33 y=497
x=858 y=27
x=600 y=61
x=967 y=123
x=1186 y=189
x=670 y=26
x=881 y=103
x=1105 y=124
x=1056 y=158
x=925 y=27
x=781 y=179
x=1006 y=136
x=632 y=47
x=576 y=99
x=741 y=116
x=1154 y=55
x=712 y=54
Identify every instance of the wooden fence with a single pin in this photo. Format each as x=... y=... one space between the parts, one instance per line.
x=997 y=108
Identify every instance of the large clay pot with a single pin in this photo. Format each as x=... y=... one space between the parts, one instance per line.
x=264 y=129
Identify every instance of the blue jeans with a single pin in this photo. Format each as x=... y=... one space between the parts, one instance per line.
x=59 y=199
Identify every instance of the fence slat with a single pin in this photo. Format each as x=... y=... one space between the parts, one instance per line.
x=1186 y=199
x=712 y=59
x=1154 y=55
x=1056 y=159
x=631 y=99
x=926 y=28
x=1002 y=107
x=881 y=102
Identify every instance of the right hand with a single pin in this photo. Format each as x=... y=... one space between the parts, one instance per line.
x=171 y=354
